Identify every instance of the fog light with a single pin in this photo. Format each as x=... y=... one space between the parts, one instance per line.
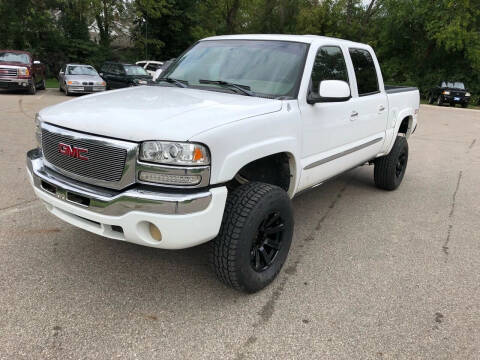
x=155 y=232
x=169 y=179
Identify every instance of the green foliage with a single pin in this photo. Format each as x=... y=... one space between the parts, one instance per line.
x=418 y=42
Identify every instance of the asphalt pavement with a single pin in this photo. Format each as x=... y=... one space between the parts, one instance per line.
x=371 y=274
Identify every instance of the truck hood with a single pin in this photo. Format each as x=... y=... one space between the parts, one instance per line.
x=155 y=112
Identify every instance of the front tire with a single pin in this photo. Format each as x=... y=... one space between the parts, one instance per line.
x=431 y=100
x=439 y=100
x=33 y=88
x=255 y=237
x=42 y=85
x=390 y=169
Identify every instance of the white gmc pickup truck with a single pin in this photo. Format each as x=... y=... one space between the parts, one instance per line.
x=216 y=150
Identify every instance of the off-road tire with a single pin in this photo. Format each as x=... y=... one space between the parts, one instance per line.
x=32 y=90
x=386 y=169
x=232 y=252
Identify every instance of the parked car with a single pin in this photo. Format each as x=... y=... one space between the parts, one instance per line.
x=217 y=152
x=151 y=66
x=452 y=92
x=164 y=67
x=118 y=75
x=80 y=79
x=18 y=70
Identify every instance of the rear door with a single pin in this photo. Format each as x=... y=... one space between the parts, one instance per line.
x=370 y=103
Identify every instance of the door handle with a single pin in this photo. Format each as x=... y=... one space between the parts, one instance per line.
x=353 y=115
x=381 y=108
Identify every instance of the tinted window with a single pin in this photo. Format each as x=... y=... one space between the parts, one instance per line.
x=117 y=69
x=365 y=71
x=153 y=67
x=329 y=65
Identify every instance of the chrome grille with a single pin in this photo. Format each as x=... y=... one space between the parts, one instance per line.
x=105 y=162
x=8 y=72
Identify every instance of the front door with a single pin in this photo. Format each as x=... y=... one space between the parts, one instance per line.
x=326 y=126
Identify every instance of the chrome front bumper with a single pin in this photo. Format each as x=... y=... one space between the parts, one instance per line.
x=112 y=202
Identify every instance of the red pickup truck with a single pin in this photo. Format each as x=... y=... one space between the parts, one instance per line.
x=19 y=71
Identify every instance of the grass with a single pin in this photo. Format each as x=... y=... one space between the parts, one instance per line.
x=52 y=83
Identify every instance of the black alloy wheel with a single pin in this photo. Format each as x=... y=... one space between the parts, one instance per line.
x=267 y=243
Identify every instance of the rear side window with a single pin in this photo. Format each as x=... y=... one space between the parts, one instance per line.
x=365 y=71
x=329 y=65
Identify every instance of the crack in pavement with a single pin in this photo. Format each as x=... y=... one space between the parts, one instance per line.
x=450 y=216
x=19 y=207
x=471 y=145
x=22 y=110
x=268 y=309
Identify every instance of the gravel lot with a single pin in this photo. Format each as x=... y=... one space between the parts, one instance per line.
x=371 y=275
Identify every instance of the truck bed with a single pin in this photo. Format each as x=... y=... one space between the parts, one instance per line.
x=392 y=89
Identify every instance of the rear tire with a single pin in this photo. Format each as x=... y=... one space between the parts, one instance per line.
x=390 y=169
x=255 y=237
x=464 y=105
x=452 y=104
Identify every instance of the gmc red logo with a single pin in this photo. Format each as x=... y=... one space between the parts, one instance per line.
x=72 y=151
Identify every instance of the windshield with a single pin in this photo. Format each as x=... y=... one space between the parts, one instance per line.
x=135 y=70
x=13 y=57
x=81 y=70
x=454 y=85
x=269 y=68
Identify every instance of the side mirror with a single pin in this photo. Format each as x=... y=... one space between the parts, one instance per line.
x=101 y=74
x=36 y=62
x=330 y=91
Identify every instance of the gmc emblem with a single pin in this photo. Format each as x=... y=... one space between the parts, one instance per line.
x=72 y=151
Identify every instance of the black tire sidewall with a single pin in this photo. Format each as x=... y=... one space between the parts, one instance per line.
x=274 y=201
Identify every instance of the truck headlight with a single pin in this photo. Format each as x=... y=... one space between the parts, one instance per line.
x=446 y=93
x=467 y=94
x=174 y=153
x=23 y=71
x=38 y=130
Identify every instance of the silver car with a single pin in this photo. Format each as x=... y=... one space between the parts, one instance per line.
x=80 y=79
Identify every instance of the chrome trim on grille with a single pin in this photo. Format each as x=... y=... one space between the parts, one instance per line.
x=11 y=71
x=126 y=175
x=111 y=202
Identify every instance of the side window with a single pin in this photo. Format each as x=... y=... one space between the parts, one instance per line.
x=365 y=71
x=115 y=69
x=152 y=67
x=329 y=65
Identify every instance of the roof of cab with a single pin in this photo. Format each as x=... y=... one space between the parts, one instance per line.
x=309 y=39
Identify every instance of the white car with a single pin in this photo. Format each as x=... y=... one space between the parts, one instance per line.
x=217 y=149
x=150 y=66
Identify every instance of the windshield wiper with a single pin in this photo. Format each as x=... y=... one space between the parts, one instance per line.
x=179 y=83
x=244 y=89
